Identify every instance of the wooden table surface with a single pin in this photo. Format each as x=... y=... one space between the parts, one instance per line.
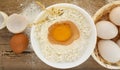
x=28 y=60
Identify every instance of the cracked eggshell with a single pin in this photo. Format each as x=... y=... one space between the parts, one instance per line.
x=16 y=23
x=3 y=18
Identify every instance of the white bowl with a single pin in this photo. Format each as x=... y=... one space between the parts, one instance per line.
x=88 y=51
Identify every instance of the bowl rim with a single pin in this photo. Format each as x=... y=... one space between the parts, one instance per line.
x=97 y=15
x=88 y=51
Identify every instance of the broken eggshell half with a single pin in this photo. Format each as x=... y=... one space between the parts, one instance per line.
x=3 y=18
x=16 y=23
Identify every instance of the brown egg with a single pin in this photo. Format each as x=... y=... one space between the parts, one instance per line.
x=19 y=43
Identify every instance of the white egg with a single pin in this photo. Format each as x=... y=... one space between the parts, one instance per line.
x=109 y=50
x=16 y=23
x=3 y=18
x=106 y=30
x=118 y=42
x=115 y=16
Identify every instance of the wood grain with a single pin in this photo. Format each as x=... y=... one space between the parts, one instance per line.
x=28 y=60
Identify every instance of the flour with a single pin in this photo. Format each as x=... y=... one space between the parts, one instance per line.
x=31 y=11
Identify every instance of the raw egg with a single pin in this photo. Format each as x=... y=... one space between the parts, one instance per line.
x=109 y=50
x=19 y=43
x=106 y=30
x=115 y=16
x=63 y=32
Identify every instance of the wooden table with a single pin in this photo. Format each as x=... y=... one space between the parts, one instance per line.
x=28 y=60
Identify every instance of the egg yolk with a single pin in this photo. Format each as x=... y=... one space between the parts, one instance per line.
x=61 y=32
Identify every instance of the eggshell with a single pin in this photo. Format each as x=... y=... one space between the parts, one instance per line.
x=3 y=18
x=16 y=23
x=115 y=16
x=106 y=30
x=19 y=43
x=109 y=50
